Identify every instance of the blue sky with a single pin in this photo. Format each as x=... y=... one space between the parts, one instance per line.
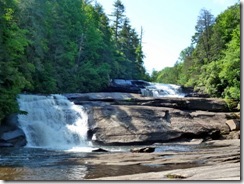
x=168 y=25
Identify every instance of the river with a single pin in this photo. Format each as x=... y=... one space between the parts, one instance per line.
x=45 y=164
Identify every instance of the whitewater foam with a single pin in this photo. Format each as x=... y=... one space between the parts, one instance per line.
x=162 y=90
x=53 y=122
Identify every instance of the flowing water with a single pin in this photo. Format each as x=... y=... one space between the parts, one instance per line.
x=162 y=90
x=53 y=122
x=49 y=164
x=56 y=131
x=40 y=164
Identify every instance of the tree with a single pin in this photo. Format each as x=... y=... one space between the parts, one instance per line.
x=118 y=16
x=107 y=50
x=212 y=62
x=34 y=17
x=230 y=65
x=222 y=75
x=59 y=46
x=167 y=76
x=203 y=36
x=14 y=68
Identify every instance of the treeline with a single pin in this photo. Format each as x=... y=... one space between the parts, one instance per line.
x=58 y=46
x=212 y=62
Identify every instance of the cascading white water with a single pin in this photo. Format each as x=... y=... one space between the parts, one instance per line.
x=162 y=90
x=53 y=122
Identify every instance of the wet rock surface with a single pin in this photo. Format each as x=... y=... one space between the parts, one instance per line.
x=10 y=134
x=210 y=160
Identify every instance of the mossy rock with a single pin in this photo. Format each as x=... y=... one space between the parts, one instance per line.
x=232 y=104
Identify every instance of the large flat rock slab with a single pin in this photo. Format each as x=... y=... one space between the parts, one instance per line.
x=126 y=124
x=214 y=172
x=213 y=160
x=186 y=103
x=128 y=118
x=130 y=124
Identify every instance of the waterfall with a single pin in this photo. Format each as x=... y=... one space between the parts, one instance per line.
x=162 y=90
x=53 y=122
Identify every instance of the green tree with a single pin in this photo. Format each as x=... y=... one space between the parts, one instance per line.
x=230 y=65
x=168 y=76
x=13 y=62
x=225 y=50
x=212 y=62
x=118 y=15
x=203 y=36
x=33 y=17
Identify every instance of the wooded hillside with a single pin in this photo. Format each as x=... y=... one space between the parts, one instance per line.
x=57 y=46
x=212 y=62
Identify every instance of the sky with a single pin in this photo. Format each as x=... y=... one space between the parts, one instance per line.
x=168 y=25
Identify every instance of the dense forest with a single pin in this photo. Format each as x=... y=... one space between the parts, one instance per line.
x=60 y=46
x=212 y=62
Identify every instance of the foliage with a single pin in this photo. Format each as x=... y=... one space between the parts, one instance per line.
x=212 y=61
x=59 y=46
x=14 y=68
x=230 y=64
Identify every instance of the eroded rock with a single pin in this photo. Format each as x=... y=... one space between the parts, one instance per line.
x=12 y=134
x=234 y=124
x=117 y=124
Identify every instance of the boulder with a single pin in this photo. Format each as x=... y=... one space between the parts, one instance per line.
x=12 y=134
x=234 y=135
x=13 y=138
x=124 y=85
x=234 y=124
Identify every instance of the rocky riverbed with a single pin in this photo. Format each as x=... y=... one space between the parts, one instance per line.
x=210 y=160
x=124 y=119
